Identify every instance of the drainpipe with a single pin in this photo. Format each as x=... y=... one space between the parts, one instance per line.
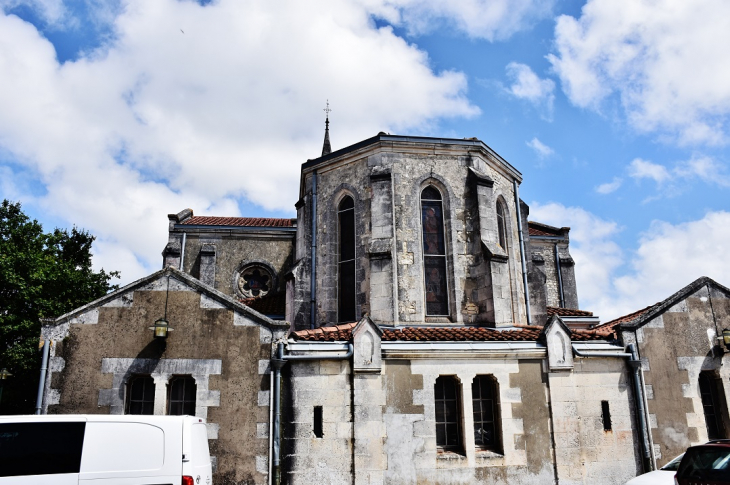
x=635 y=363
x=522 y=254
x=560 y=276
x=182 y=253
x=278 y=363
x=313 y=281
x=42 y=382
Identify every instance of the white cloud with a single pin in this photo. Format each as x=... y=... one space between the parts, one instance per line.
x=542 y=150
x=159 y=120
x=529 y=86
x=667 y=258
x=53 y=12
x=640 y=169
x=485 y=19
x=609 y=187
x=662 y=57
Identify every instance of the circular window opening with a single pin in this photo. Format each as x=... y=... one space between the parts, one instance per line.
x=254 y=281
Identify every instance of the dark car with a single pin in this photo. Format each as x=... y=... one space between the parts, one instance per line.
x=707 y=464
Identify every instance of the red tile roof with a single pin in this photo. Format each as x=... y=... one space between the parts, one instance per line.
x=568 y=312
x=268 y=304
x=624 y=319
x=343 y=333
x=540 y=229
x=239 y=221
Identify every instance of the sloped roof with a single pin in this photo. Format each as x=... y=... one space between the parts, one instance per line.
x=540 y=229
x=183 y=278
x=239 y=221
x=268 y=304
x=568 y=312
x=343 y=333
x=640 y=317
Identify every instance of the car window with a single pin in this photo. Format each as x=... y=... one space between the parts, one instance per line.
x=673 y=465
x=40 y=448
x=706 y=463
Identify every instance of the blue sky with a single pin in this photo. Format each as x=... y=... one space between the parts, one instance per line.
x=114 y=114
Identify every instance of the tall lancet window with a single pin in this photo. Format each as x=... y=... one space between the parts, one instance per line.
x=346 y=261
x=434 y=253
x=501 y=226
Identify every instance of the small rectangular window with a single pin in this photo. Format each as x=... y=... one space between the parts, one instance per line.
x=140 y=395
x=606 y=415
x=318 y=421
x=181 y=397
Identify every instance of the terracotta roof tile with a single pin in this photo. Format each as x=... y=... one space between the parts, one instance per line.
x=239 y=221
x=624 y=319
x=523 y=333
x=268 y=304
x=568 y=312
x=540 y=229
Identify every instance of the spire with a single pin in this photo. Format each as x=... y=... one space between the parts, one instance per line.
x=326 y=148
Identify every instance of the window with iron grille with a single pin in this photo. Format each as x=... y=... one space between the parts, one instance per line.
x=710 y=394
x=485 y=405
x=140 y=395
x=181 y=396
x=448 y=414
x=434 y=252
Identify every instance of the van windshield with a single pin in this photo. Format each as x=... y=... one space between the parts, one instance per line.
x=40 y=448
x=706 y=463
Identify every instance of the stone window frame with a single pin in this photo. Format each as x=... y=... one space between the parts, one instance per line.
x=502 y=239
x=459 y=447
x=185 y=378
x=339 y=199
x=510 y=250
x=258 y=263
x=451 y=283
x=496 y=413
x=716 y=404
x=128 y=393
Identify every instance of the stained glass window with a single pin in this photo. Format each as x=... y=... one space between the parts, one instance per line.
x=434 y=253
x=141 y=395
x=486 y=415
x=181 y=399
x=448 y=414
x=254 y=282
x=346 y=261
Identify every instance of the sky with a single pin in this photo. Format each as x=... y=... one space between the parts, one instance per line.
x=115 y=113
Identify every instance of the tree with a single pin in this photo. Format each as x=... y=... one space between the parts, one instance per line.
x=42 y=275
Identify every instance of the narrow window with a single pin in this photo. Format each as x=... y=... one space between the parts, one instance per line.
x=485 y=405
x=318 y=422
x=606 y=415
x=181 y=399
x=710 y=395
x=501 y=226
x=434 y=253
x=448 y=413
x=141 y=395
x=346 y=263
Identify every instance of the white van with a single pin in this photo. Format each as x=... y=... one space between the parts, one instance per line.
x=93 y=449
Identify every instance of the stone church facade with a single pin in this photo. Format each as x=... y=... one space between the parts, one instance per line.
x=410 y=325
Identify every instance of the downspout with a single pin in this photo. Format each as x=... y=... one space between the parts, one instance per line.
x=522 y=254
x=313 y=281
x=635 y=363
x=182 y=252
x=271 y=423
x=42 y=382
x=277 y=364
x=560 y=276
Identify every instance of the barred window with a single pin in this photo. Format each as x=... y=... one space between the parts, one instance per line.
x=140 y=395
x=485 y=404
x=346 y=261
x=710 y=393
x=181 y=396
x=434 y=252
x=448 y=414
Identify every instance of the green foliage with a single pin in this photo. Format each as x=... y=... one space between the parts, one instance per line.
x=42 y=275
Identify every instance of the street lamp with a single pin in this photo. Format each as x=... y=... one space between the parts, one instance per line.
x=726 y=338
x=162 y=326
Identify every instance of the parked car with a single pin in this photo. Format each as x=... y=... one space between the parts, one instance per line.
x=663 y=476
x=707 y=464
x=103 y=450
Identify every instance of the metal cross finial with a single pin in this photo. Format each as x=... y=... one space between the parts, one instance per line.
x=327 y=110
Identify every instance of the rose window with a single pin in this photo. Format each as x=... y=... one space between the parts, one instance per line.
x=254 y=282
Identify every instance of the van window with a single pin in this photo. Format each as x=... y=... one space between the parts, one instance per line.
x=121 y=447
x=40 y=448
x=201 y=454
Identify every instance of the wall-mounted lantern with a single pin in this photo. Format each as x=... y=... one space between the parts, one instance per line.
x=726 y=338
x=162 y=326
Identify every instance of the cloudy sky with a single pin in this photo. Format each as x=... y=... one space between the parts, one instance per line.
x=114 y=113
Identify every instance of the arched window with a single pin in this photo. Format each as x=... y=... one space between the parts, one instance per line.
x=448 y=413
x=181 y=399
x=501 y=226
x=485 y=402
x=711 y=405
x=434 y=253
x=141 y=395
x=346 y=261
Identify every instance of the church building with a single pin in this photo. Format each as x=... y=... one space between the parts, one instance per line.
x=410 y=325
